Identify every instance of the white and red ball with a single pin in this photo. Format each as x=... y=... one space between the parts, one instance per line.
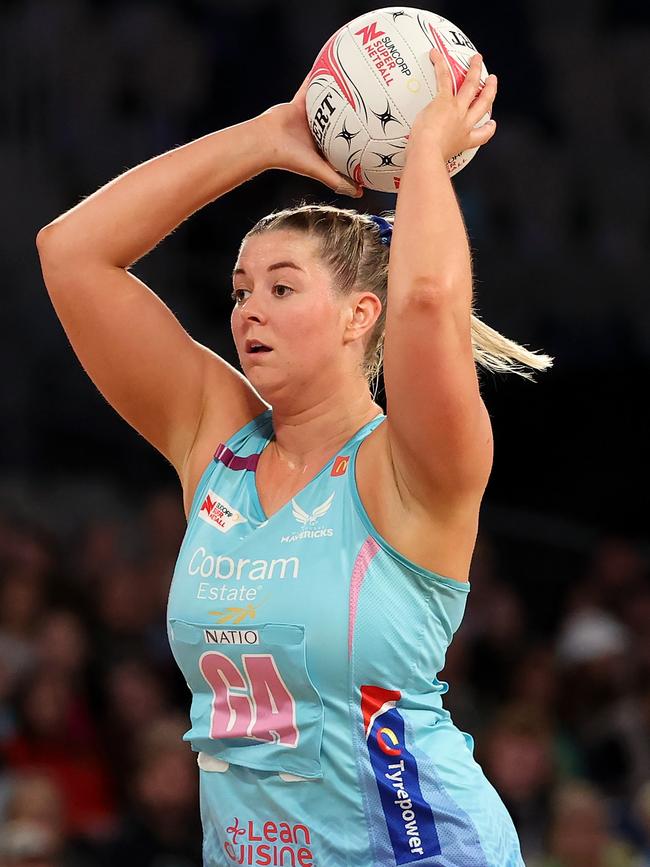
x=368 y=83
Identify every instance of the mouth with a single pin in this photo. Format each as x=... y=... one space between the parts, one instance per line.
x=256 y=347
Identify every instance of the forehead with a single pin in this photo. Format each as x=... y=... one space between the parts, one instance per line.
x=279 y=245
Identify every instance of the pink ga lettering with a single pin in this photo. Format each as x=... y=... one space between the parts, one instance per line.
x=260 y=706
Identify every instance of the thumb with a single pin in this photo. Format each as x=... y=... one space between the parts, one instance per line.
x=322 y=171
x=346 y=187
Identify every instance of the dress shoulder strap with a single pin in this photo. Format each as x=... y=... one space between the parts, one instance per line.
x=247 y=439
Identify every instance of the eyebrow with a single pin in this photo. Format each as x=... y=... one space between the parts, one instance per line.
x=275 y=267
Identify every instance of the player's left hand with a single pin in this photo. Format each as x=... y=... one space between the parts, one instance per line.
x=450 y=118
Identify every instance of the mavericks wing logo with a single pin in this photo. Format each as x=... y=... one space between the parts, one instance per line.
x=309 y=520
x=305 y=518
x=410 y=822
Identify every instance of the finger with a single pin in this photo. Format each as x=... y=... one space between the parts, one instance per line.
x=322 y=171
x=346 y=187
x=443 y=75
x=483 y=102
x=471 y=84
x=301 y=93
x=482 y=134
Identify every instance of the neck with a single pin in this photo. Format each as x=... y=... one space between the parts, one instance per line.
x=304 y=433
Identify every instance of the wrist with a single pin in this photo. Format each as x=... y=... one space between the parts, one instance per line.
x=425 y=152
x=426 y=137
x=426 y=140
x=268 y=129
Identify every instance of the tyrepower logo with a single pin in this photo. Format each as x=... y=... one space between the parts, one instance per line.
x=268 y=843
x=219 y=513
x=410 y=822
x=309 y=520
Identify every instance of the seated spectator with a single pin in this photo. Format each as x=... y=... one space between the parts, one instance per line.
x=517 y=755
x=56 y=735
x=162 y=823
x=579 y=832
x=34 y=832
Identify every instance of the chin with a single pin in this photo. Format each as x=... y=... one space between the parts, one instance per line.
x=264 y=381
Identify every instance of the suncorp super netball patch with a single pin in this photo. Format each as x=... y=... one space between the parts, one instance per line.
x=219 y=513
x=410 y=822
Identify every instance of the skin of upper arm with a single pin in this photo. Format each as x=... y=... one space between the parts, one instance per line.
x=140 y=357
x=439 y=430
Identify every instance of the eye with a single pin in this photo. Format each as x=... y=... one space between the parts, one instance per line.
x=281 y=291
x=286 y=290
x=236 y=297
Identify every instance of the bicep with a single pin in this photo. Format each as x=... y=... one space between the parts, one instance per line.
x=439 y=429
x=138 y=355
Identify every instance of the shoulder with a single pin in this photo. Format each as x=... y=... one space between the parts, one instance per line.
x=218 y=427
x=439 y=540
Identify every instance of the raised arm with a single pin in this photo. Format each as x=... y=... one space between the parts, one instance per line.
x=130 y=344
x=439 y=430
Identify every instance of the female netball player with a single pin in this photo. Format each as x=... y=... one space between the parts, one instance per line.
x=325 y=565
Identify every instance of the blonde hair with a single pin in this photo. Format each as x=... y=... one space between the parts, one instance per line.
x=350 y=245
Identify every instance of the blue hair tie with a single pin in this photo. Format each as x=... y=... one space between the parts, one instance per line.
x=385 y=229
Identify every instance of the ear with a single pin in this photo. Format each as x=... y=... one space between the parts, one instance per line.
x=362 y=311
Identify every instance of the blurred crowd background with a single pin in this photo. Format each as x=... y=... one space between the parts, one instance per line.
x=550 y=671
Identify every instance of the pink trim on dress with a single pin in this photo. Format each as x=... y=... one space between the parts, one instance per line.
x=359 y=572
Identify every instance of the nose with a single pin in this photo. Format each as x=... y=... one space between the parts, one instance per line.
x=253 y=316
x=252 y=310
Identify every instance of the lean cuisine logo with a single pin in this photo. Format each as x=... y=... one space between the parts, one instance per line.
x=309 y=520
x=280 y=843
x=410 y=822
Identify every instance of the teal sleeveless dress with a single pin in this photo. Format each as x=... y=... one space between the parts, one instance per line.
x=311 y=649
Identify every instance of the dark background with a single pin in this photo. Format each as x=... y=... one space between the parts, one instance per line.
x=558 y=213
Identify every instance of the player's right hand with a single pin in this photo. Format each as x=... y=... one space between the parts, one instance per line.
x=292 y=146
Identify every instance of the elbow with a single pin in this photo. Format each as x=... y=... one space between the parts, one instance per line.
x=57 y=247
x=45 y=238
x=65 y=245
x=58 y=258
x=59 y=234
x=43 y=233
x=428 y=293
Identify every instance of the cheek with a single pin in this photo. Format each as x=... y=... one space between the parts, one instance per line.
x=314 y=336
x=315 y=322
x=235 y=325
